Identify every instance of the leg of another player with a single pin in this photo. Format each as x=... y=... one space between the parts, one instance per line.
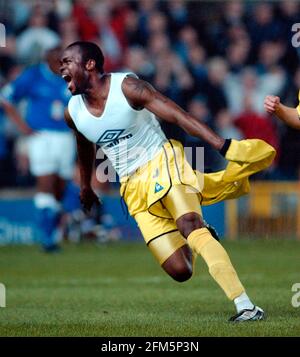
x=59 y=187
x=48 y=210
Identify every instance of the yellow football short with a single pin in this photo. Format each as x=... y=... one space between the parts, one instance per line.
x=161 y=234
x=160 y=192
x=165 y=188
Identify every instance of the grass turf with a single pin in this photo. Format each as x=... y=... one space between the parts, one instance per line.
x=119 y=290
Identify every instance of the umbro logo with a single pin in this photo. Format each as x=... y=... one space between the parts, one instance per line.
x=109 y=135
x=112 y=138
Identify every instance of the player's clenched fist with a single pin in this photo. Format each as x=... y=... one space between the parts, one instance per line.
x=271 y=103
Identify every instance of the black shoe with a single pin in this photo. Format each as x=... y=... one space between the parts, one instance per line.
x=53 y=248
x=255 y=314
x=212 y=231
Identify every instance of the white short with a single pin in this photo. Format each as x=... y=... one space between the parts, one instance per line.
x=51 y=152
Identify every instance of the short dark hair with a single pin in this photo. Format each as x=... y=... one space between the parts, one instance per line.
x=90 y=50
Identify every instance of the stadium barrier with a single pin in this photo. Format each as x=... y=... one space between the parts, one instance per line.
x=17 y=212
x=271 y=210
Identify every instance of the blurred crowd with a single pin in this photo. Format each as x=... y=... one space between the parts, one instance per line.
x=218 y=60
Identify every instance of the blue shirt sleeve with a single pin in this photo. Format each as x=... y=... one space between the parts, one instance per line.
x=20 y=87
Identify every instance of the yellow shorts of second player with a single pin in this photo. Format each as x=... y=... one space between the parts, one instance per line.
x=158 y=194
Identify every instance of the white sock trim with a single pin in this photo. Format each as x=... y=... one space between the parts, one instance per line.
x=243 y=302
x=46 y=200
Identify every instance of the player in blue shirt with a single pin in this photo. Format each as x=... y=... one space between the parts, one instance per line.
x=50 y=144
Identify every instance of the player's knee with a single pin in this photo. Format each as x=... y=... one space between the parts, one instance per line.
x=189 y=222
x=180 y=272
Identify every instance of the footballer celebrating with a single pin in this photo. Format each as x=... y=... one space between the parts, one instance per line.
x=118 y=112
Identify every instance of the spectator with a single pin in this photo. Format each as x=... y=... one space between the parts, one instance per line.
x=237 y=56
x=262 y=25
x=107 y=36
x=145 y=9
x=187 y=40
x=178 y=14
x=68 y=31
x=196 y=63
x=33 y=42
x=255 y=125
x=175 y=44
x=87 y=27
x=288 y=14
x=225 y=125
x=8 y=59
x=248 y=85
x=214 y=88
x=212 y=159
x=136 y=61
x=172 y=77
x=134 y=36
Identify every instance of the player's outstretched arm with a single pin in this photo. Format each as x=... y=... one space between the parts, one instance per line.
x=286 y=114
x=141 y=94
x=86 y=159
x=15 y=116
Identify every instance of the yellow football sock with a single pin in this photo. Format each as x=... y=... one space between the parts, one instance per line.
x=194 y=257
x=217 y=260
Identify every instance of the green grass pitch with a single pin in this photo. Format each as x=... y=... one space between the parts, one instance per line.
x=119 y=290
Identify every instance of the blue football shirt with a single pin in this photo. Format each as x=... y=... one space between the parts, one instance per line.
x=45 y=94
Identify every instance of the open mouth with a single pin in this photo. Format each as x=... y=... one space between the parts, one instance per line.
x=68 y=79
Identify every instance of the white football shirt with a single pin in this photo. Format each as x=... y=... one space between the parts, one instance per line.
x=128 y=137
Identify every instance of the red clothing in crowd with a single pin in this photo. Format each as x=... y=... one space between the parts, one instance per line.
x=254 y=125
x=87 y=28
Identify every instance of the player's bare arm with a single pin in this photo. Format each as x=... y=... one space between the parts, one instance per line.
x=15 y=116
x=86 y=159
x=286 y=114
x=141 y=94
